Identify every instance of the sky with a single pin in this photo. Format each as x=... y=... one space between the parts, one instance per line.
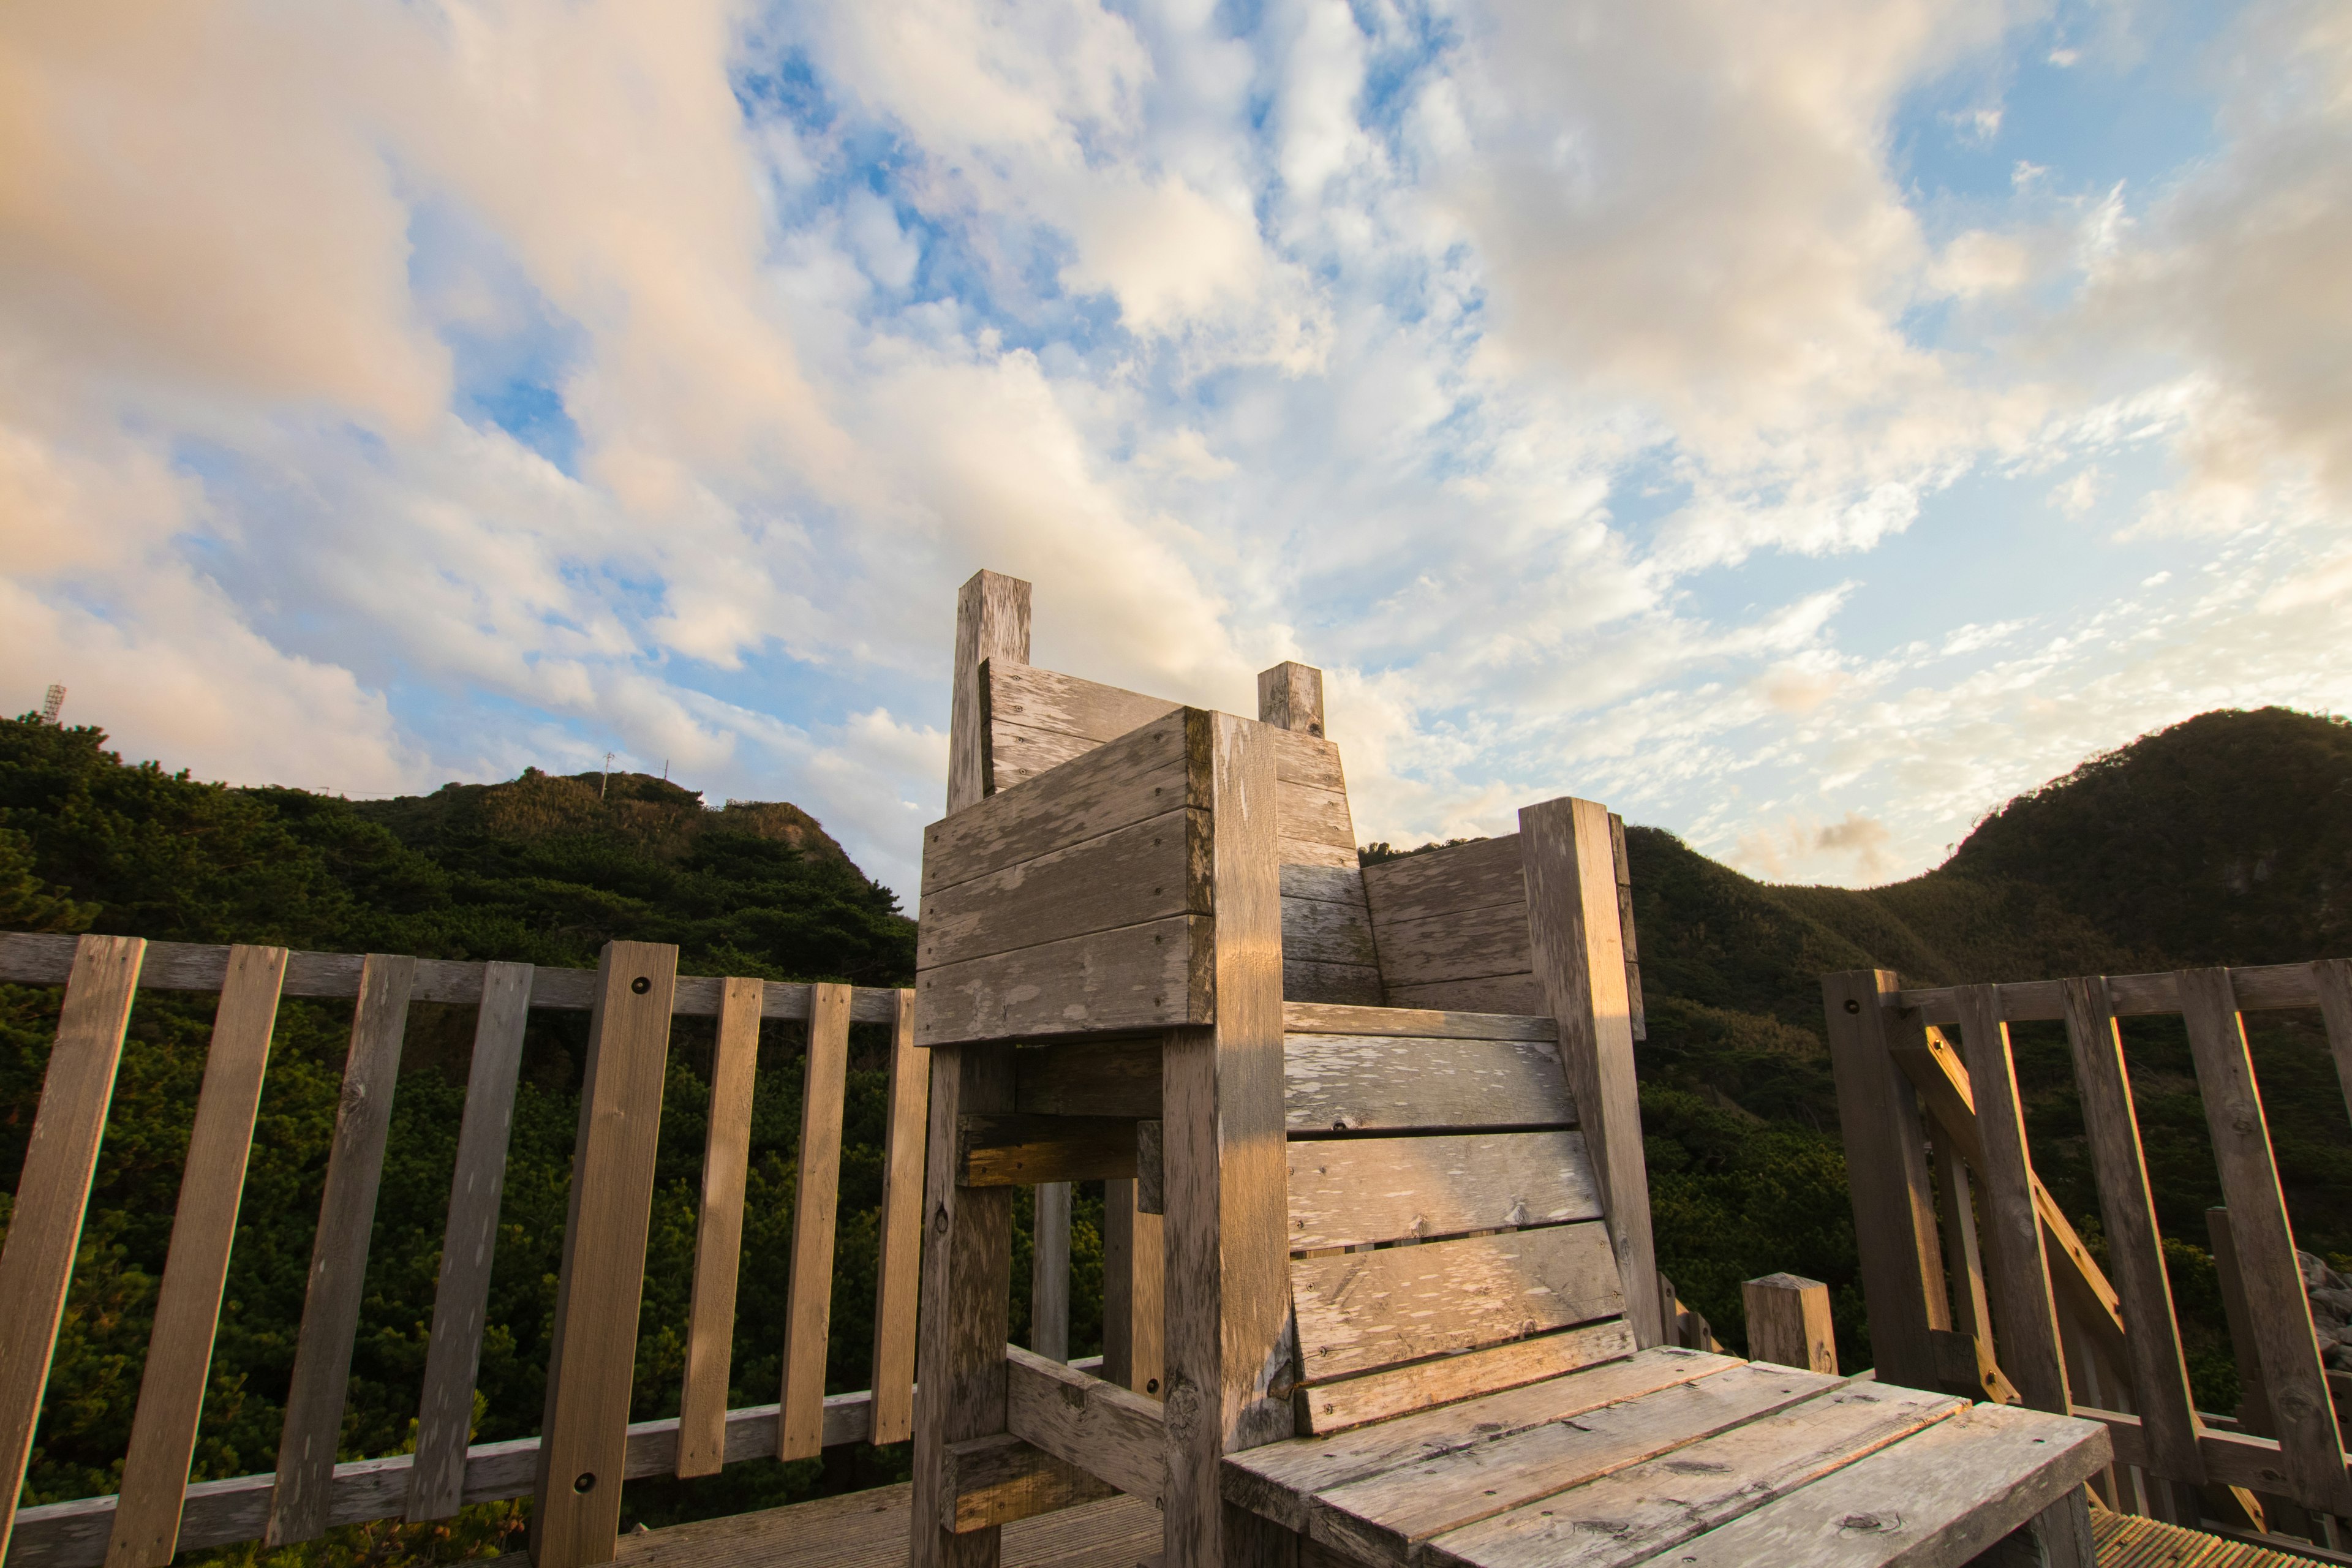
x=1800 y=424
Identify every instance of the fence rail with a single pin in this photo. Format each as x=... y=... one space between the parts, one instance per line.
x=586 y=1447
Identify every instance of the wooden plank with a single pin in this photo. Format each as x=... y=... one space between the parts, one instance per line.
x=1477 y=875
x=1310 y=760
x=1132 y=779
x=993 y=1480
x=808 y=1312
x=1134 y=1302
x=2332 y=978
x=2258 y=987
x=1465 y=945
x=1145 y=871
x=593 y=1351
x=1789 y=1322
x=1420 y=1385
x=1111 y=1433
x=719 y=1232
x=1640 y=1511
x=1385 y=1518
x=1276 y=1480
x=1579 y=956
x=967 y=1295
x=1319 y=931
x=1346 y=1192
x=2265 y=1242
x=445 y=1417
x=1229 y=1334
x=1089 y=1078
x=991 y=629
x=1049 y=1272
x=1319 y=816
x=1936 y=1500
x=2134 y=1250
x=1322 y=884
x=1347 y=984
x=1006 y=1149
x=1023 y=695
x=1486 y=992
x=1886 y=1156
x=899 y=1269
x=2253 y=1396
x=2010 y=1228
x=60 y=1162
x=1151 y=1170
x=2232 y=1458
x=1971 y=1310
x=1361 y=1082
x=1625 y=924
x=1361 y=1310
x=1290 y=697
x=1418 y=1023
x=321 y=1386
x=1140 y=976
x=1307 y=852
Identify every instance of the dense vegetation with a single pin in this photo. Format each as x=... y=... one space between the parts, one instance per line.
x=2226 y=839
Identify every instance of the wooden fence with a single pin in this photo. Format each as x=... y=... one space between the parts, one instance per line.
x=1953 y=1203
x=587 y=1446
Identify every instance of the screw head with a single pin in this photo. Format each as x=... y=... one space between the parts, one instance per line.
x=586 y=1481
x=641 y=985
x=1853 y=1005
x=1150 y=1385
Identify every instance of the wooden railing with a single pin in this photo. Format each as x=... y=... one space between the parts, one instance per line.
x=1953 y=1202
x=587 y=1446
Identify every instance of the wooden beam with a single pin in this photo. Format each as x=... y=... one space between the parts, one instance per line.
x=993 y=1480
x=992 y=622
x=1290 y=697
x=1089 y=1078
x=2258 y=987
x=1789 y=1322
x=2332 y=978
x=1134 y=1302
x=899 y=1269
x=1049 y=1272
x=60 y=1162
x=1417 y=1023
x=719 y=1232
x=800 y=1432
x=2232 y=1458
x=1110 y=1432
x=1006 y=1149
x=2012 y=1230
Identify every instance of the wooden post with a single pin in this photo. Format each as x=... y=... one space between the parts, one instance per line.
x=591 y=1363
x=1578 y=952
x=1231 y=1342
x=1886 y=1170
x=1290 y=697
x=60 y=1162
x=2332 y=976
x=2028 y=1314
x=899 y=1269
x=1625 y=924
x=800 y=1417
x=1134 y=1309
x=1049 y=1273
x=719 y=1229
x=1964 y=1264
x=992 y=622
x=1789 y=1322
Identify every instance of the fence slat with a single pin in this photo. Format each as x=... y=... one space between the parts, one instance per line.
x=60 y=1161
x=719 y=1232
x=330 y=1308
x=1049 y=1273
x=2333 y=978
x=2308 y=1434
x=800 y=1427
x=445 y=1415
x=2026 y=1312
x=898 y=1271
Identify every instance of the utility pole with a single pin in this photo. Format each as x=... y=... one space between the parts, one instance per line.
x=54 y=704
x=606 y=783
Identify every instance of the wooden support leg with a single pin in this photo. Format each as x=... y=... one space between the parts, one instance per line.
x=967 y=1304
x=1049 y=1273
x=2057 y=1537
x=1133 y=1307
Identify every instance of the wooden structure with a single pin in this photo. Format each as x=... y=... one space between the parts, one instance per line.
x=1977 y=1282
x=1388 y=1119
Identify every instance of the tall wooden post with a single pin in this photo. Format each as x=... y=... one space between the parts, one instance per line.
x=1230 y=1342
x=1290 y=697
x=2023 y=1306
x=992 y=622
x=1578 y=949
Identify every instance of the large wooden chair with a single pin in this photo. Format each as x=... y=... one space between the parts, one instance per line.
x=1389 y=1123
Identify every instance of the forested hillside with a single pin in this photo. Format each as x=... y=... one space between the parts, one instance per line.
x=2225 y=839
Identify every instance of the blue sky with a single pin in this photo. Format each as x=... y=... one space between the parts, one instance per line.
x=1802 y=425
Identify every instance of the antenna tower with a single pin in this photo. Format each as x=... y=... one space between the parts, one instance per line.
x=53 y=704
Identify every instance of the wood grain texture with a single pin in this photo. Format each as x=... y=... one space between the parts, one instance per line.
x=719 y=1232
x=2011 y=1230
x=1134 y=1299
x=1347 y=985
x=1938 y=1499
x=445 y=1415
x=1894 y=1208
x=591 y=1356
x=2307 y=1429
x=2253 y=1395
x=1480 y=874
x=1307 y=760
x=204 y=1229
x=1146 y=774
x=321 y=1386
x=1290 y=697
x=1049 y=1273
x=1362 y=1310
x=1145 y=871
x=1639 y=1511
x=2258 y=987
x=1420 y=1022
x=1465 y=945
x=993 y=1480
x=1307 y=852
x=1789 y=1322
x=1089 y=1078
x=1322 y=931
x=899 y=1269
x=2332 y=978
x=808 y=1310
x=991 y=628
x=1964 y=1266
x=1316 y=816
x=1626 y=925
x=1140 y=976
x=1323 y=884
x=1579 y=956
x=1521 y=992
x=1422 y=1386
x=60 y=1160
x=1022 y=695
x=2135 y=1247
x=1347 y=1192
x=1109 y=1432
x=1010 y=1149
x=1357 y=1082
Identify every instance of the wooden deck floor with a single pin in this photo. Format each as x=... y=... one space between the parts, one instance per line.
x=868 y=1529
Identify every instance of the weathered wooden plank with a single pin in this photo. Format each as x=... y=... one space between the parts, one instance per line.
x=1346 y=985
x=2265 y=1242
x=993 y=1480
x=1383 y=1518
x=1006 y=1149
x=1344 y=1192
x=2332 y=978
x=2135 y=1250
x=1418 y=1023
x=991 y=631
x=2010 y=1228
x=1625 y=924
x=1307 y=852
x=1894 y=1209
x=899 y=1269
x=2232 y=1458
x=2254 y=1395
x=577 y=1512
x=1151 y=1169
x=1276 y=1480
x=1420 y=1385
x=1049 y=1272
x=1109 y=1432
x=1521 y=994
x=1473 y=876
x=1089 y=1078
x=1290 y=697
x=2258 y=988
x=808 y=1311
x=1140 y=976
x=719 y=1232
x=445 y=1417
x=1309 y=761
x=1323 y=884
x=1361 y=1082
x=1145 y=871
x=1129 y=780
x=1937 y=1499
x=1579 y=956
x=1134 y=1299
x=1361 y=1311
x=1023 y=695
x=60 y=1161
x=1319 y=931
x=1320 y=816
x=1963 y=1265
x=331 y=1309
x=1789 y=1322
x=1635 y=1513
x=1465 y=945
